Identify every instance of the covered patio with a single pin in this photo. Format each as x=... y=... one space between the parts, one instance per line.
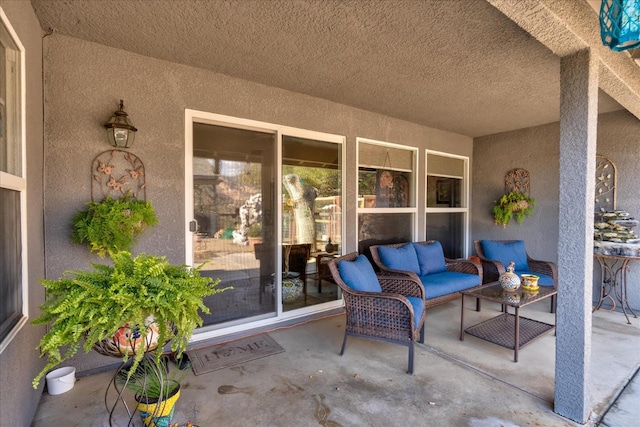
x=456 y=383
x=496 y=84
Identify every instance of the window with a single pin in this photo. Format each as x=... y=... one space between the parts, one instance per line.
x=447 y=202
x=386 y=192
x=13 y=308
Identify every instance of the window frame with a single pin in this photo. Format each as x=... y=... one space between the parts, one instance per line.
x=389 y=210
x=18 y=182
x=464 y=199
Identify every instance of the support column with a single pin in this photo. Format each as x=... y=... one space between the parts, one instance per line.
x=578 y=134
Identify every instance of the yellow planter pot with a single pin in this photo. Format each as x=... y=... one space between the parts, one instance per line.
x=157 y=414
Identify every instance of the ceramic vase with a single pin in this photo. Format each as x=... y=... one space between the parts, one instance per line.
x=509 y=281
x=330 y=247
x=292 y=287
x=129 y=337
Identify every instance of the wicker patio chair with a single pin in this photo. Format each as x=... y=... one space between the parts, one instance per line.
x=394 y=314
x=492 y=268
x=452 y=266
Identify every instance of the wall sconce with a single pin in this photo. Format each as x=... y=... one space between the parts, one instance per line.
x=120 y=130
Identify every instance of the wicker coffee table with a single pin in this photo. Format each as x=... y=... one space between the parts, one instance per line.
x=507 y=330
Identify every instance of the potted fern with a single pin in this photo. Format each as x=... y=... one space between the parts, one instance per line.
x=510 y=204
x=125 y=310
x=112 y=224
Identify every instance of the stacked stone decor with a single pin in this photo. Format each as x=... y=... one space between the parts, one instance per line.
x=614 y=235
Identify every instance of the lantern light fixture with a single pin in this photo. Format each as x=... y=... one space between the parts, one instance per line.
x=120 y=130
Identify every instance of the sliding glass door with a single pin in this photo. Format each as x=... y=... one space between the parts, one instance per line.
x=234 y=210
x=265 y=213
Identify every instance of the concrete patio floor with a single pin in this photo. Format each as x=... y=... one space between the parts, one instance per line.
x=456 y=383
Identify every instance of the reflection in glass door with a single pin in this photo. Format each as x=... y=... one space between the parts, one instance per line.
x=234 y=209
x=311 y=220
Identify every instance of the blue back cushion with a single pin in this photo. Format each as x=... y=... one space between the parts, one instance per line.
x=359 y=275
x=402 y=258
x=506 y=252
x=430 y=258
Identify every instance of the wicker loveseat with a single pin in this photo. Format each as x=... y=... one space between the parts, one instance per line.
x=443 y=279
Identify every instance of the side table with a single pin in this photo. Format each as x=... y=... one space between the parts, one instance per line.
x=507 y=330
x=322 y=265
x=613 y=277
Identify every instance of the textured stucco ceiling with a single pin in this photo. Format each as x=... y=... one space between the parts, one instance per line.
x=458 y=65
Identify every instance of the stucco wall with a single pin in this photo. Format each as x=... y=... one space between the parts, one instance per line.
x=537 y=150
x=19 y=362
x=83 y=83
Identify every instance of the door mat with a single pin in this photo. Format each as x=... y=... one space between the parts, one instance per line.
x=224 y=355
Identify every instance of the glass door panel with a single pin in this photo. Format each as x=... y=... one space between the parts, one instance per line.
x=234 y=208
x=311 y=220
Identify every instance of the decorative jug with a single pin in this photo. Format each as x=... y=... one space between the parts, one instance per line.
x=509 y=280
x=330 y=247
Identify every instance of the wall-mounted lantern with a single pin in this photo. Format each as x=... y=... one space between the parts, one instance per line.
x=120 y=130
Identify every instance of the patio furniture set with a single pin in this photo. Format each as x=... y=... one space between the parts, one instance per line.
x=387 y=300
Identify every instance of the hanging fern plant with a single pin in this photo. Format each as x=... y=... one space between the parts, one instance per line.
x=510 y=204
x=88 y=308
x=112 y=224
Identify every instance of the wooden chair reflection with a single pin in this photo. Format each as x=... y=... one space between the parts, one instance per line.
x=297 y=256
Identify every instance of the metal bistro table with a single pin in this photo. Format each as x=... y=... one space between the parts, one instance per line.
x=613 y=274
x=508 y=330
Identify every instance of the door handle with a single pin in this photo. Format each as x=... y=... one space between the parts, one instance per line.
x=193 y=226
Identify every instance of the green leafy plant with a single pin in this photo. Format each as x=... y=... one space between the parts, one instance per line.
x=112 y=224
x=91 y=306
x=510 y=204
x=255 y=230
x=152 y=380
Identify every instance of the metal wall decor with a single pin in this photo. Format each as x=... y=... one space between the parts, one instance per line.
x=116 y=172
x=392 y=186
x=606 y=183
x=517 y=180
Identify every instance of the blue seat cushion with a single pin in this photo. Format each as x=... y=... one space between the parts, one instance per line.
x=543 y=280
x=359 y=275
x=418 y=308
x=439 y=284
x=430 y=258
x=505 y=252
x=403 y=258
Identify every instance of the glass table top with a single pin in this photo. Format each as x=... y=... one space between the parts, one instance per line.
x=517 y=298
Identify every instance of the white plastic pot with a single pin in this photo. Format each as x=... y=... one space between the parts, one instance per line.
x=61 y=380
